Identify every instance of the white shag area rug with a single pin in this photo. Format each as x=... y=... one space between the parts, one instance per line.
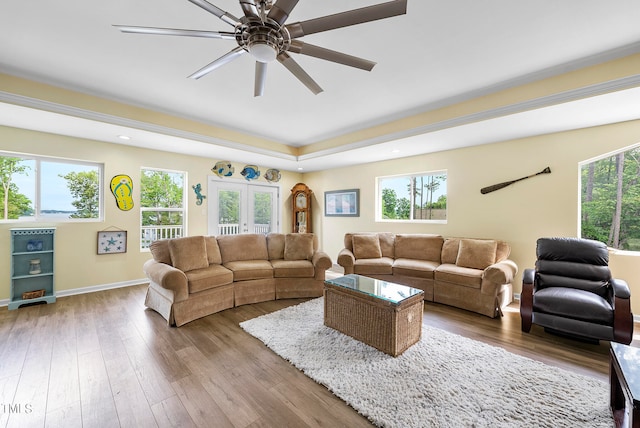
x=445 y=380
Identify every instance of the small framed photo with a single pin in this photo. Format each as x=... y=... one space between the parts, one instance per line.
x=342 y=203
x=112 y=241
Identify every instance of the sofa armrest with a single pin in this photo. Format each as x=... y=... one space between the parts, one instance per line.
x=321 y=262
x=168 y=277
x=501 y=273
x=526 y=299
x=346 y=259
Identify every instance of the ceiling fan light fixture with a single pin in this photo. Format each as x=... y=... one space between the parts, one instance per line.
x=263 y=46
x=263 y=52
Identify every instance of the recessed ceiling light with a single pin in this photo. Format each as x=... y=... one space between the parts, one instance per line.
x=300 y=169
x=395 y=151
x=124 y=137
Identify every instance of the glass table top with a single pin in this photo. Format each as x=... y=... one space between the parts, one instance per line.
x=389 y=291
x=628 y=358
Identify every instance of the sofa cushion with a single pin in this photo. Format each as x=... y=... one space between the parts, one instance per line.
x=298 y=246
x=459 y=275
x=160 y=251
x=416 y=268
x=213 y=251
x=476 y=253
x=503 y=250
x=250 y=246
x=366 y=247
x=419 y=247
x=244 y=270
x=386 y=239
x=450 y=250
x=188 y=253
x=380 y=266
x=292 y=269
x=275 y=246
x=209 y=277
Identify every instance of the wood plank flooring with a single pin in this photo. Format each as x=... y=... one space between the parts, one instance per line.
x=102 y=360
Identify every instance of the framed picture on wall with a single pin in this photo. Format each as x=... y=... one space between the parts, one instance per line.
x=342 y=203
x=112 y=241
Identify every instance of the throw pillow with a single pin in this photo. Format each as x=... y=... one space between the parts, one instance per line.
x=213 y=251
x=366 y=247
x=188 y=253
x=160 y=251
x=298 y=246
x=476 y=253
x=450 y=250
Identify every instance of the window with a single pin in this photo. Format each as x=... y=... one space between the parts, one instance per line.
x=416 y=197
x=35 y=188
x=610 y=199
x=162 y=206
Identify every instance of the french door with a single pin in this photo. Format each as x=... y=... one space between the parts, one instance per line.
x=237 y=207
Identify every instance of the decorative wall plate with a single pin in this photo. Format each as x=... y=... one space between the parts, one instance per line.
x=250 y=172
x=223 y=169
x=272 y=175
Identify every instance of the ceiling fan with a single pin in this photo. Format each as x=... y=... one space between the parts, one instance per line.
x=262 y=33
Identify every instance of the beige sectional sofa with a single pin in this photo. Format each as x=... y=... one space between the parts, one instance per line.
x=472 y=274
x=196 y=276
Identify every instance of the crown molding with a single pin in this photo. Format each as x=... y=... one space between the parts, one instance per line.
x=66 y=110
x=533 y=104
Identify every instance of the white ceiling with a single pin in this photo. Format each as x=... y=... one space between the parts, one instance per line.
x=439 y=53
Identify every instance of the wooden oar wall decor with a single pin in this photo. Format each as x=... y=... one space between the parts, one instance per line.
x=499 y=186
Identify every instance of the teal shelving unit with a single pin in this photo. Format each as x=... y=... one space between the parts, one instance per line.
x=32 y=267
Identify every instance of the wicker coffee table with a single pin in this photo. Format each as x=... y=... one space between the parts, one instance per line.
x=381 y=314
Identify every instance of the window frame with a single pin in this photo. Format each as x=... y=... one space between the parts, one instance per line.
x=38 y=217
x=379 y=201
x=183 y=210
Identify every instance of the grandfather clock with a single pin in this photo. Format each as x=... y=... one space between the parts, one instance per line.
x=301 y=206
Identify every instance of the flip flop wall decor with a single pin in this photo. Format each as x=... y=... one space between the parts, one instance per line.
x=122 y=189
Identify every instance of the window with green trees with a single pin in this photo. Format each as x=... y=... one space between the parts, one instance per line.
x=415 y=197
x=162 y=205
x=610 y=199
x=36 y=188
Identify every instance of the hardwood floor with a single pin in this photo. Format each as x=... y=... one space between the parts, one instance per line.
x=102 y=360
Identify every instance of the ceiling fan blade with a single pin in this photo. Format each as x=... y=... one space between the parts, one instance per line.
x=297 y=71
x=224 y=59
x=330 y=55
x=176 y=32
x=345 y=19
x=215 y=10
x=250 y=8
x=281 y=10
x=261 y=77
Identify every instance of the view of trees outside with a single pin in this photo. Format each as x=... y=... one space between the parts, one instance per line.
x=14 y=203
x=610 y=203
x=85 y=189
x=417 y=197
x=262 y=208
x=67 y=190
x=162 y=198
x=229 y=207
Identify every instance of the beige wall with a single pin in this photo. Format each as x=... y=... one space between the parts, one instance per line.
x=542 y=206
x=546 y=205
x=77 y=264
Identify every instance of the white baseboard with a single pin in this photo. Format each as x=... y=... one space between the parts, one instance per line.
x=91 y=289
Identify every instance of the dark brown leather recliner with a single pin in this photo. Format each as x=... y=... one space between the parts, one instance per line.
x=571 y=292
